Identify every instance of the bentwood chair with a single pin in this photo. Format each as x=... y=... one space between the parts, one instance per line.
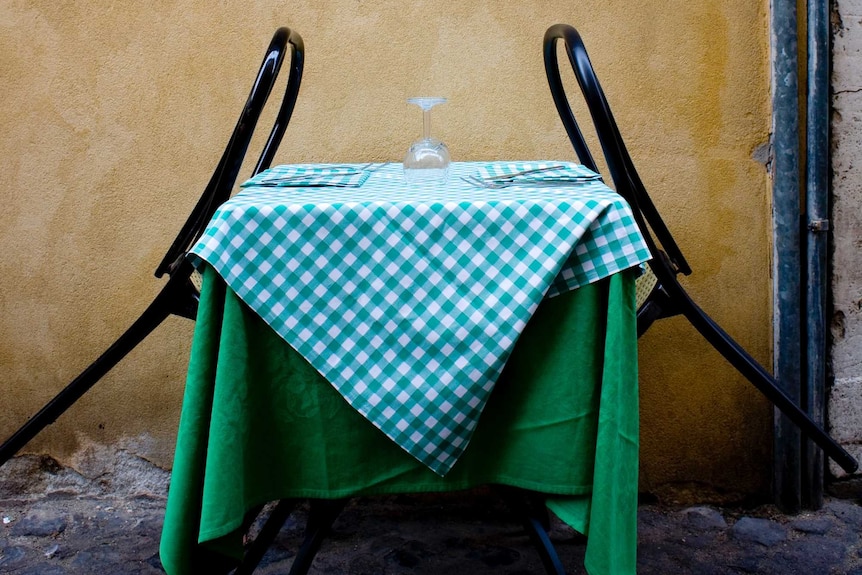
x=660 y=294
x=179 y=296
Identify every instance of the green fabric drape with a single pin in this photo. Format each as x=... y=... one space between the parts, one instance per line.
x=259 y=424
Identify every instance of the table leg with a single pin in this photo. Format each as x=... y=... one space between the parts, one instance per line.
x=266 y=536
x=321 y=516
x=531 y=511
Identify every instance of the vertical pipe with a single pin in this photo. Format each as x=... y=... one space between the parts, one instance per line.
x=786 y=222
x=816 y=242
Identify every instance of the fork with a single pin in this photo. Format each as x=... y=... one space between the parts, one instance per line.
x=498 y=184
x=511 y=175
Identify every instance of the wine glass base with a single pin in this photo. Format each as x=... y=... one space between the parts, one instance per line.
x=426 y=175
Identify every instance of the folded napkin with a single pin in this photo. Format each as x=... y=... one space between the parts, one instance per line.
x=550 y=172
x=300 y=175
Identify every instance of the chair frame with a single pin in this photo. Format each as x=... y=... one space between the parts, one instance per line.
x=179 y=296
x=668 y=298
x=527 y=507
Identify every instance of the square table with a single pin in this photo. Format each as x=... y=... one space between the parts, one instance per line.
x=350 y=336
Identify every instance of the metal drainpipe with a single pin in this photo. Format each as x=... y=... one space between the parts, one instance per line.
x=786 y=266
x=816 y=241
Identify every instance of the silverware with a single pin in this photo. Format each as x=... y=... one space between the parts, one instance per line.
x=522 y=173
x=287 y=184
x=280 y=179
x=498 y=184
x=373 y=168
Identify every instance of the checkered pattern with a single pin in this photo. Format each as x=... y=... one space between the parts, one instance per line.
x=409 y=299
x=301 y=175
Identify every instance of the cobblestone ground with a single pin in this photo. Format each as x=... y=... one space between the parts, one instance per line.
x=79 y=526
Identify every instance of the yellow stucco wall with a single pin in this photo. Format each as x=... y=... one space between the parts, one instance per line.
x=113 y=114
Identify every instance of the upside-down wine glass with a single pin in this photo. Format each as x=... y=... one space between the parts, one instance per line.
x=427 y=159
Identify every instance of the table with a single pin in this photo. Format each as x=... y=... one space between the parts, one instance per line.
x=260 y=422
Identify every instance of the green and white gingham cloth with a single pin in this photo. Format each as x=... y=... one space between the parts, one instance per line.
x=409 y=299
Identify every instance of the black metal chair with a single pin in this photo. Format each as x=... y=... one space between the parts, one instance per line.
x=180 y=294
x=660 y=293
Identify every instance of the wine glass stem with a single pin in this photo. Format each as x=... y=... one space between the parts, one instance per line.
x=426 y=123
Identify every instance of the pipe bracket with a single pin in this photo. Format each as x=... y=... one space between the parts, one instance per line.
x=818 y=225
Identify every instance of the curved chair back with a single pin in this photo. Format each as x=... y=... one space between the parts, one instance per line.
x=181 y=292
x=623 y=173
x=659 y=293
x=221 y=184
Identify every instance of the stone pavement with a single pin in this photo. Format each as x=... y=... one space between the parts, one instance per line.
x=56 y=521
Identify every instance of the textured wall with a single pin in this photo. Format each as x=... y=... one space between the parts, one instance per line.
x=845 y=405
x=113 y=115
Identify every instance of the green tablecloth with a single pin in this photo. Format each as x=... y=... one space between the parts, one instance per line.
x=409 y=299
x=259 y=424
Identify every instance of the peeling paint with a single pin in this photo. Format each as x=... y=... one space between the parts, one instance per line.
x=764 y=154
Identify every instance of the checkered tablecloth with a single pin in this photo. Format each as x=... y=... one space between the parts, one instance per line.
x=409 y=300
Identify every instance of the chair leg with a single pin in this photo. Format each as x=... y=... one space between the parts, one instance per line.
x=152 y=317
x=534 y=518
x=762 y=380
x=267 y=535
x=544 y=546
x=322 y=515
